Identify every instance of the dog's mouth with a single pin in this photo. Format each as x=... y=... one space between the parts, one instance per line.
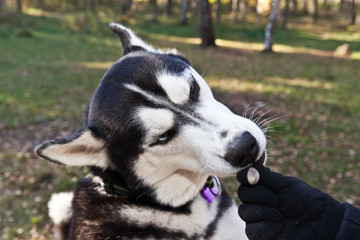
x=262 y=158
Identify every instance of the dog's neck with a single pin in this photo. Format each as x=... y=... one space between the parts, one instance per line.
x=173 y=191
x=179 y=188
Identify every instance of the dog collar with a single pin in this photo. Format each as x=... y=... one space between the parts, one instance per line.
x=111 y=188
x=211 y=189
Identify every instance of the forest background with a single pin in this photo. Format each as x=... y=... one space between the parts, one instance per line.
x=292 y=65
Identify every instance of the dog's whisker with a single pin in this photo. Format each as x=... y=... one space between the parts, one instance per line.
x=250 y=108
x=268 y=121
x=256 y=110
x=262 y=115
x=247 y=108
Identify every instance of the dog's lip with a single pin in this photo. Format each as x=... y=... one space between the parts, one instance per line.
x=261 y=159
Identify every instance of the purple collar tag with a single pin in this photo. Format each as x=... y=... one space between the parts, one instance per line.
x=211 y=189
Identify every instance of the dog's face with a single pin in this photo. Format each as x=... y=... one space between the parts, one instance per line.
x=154 y=117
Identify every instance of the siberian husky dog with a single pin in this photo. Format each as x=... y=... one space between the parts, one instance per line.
x=155 y=140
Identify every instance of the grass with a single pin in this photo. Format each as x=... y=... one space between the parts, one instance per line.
x=50 y=65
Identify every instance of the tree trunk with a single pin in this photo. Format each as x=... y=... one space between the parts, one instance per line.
x=305 y=7
x=258 y=12
x=154 y=13
x=235 y=7
x=353 y=13
x=19 y=5
x=218 y=12
x=168 y=8
x=194 y=8
x=92 y=6
x=294 y=6
x=206 y=26
x=243 y=10
x=270 y=27
x=315 y=10
x=341 y=5
x=125 y=8
x=184 y=5
x=285 y=15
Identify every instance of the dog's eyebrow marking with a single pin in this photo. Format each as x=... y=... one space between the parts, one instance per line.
x=161 y=101
x=164 y=118
x=178 y=94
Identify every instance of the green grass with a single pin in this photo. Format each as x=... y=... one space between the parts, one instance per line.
x=50 y=66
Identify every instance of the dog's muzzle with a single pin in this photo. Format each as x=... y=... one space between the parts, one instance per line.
x=243 y=150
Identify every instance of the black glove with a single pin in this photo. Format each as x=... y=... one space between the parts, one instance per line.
x=285 y=208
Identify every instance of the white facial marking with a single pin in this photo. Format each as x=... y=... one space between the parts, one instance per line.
x=161 y=101
x=156 y=120
x=177 y=88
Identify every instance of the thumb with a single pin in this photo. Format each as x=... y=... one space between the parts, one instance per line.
x=248 y=176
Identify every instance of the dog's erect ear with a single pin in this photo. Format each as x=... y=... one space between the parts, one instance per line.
x=78 y=149
x=129 y=41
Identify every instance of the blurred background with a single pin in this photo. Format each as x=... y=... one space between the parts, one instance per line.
x=291 y=65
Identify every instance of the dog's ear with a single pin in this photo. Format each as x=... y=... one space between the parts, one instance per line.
x=79 y=149
x=129 y=41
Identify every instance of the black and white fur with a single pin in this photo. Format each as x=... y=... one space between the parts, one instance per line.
x=154 y=128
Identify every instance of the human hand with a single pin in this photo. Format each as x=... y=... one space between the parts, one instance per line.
x=283 y=208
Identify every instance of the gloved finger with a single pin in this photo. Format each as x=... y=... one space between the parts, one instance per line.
x=259 y=195
x=263 y=230
x=257 y=213
x=272 y=180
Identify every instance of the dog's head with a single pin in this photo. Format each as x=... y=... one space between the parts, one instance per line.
x=154 y=120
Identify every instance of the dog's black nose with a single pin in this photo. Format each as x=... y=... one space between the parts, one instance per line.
x=243 y=150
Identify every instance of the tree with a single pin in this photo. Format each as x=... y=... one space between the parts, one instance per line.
x=125 y=9
x=305 y=7
x=168 y=8
x=353 y=12
x=184 y=5
x=206 y=26
x=315 y=10
x=243 y=10
x=92 y=6
x=218 y=12
x=2 y=5
x=154 y=13
x=258 y=12
x=235 y=8
x=285 y=14
x=294 y=6
x=270 y=27
x=19 y=5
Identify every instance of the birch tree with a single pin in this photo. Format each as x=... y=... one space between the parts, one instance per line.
x=270 y=26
